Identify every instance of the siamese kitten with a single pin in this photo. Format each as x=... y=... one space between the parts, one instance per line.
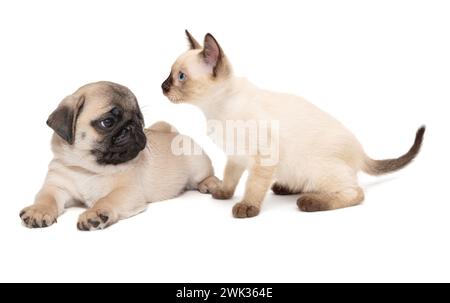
x=317 y=157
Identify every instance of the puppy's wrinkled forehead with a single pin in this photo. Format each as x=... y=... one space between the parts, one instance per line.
x=103 y=96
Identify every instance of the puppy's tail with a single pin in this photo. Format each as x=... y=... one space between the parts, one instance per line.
x=379 y=167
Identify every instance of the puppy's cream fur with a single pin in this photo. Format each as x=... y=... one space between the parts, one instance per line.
x=318 y=156
x=113 y=192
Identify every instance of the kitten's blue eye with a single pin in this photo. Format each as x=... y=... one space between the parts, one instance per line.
x=181 y=76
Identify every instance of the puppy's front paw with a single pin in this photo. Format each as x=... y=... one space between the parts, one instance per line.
x=95 y=219
x=36 y=216
x=245 y=210
x=209 y=185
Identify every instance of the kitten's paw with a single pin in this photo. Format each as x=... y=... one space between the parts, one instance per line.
x=221 y=194
x=95 y=219
x=279 y=189
x=245 y=210
x=36 y=216
x=309 y=204
x=209 y=185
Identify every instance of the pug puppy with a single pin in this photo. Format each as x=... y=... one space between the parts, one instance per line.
x=106 y=160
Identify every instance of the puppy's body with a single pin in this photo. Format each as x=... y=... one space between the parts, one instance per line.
x=78 y=173
x=317 y=156
x=155 y=174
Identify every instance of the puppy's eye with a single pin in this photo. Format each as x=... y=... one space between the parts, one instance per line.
x=107 y=123
x=181 y=76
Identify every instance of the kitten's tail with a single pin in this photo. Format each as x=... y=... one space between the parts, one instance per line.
x=378 y=167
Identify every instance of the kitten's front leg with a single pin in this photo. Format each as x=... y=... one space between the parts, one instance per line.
x=232 y=175
x=258 y=183
x=119 y=204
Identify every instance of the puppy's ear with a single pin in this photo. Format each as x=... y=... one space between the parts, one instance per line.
x=193 y=44
x=212 y=54
x=64 y=117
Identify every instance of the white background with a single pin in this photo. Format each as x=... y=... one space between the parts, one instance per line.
x=381 y=67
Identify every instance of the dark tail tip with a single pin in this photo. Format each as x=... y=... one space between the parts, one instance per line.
x=417 y=142
x=378 y=167
x=419 y=134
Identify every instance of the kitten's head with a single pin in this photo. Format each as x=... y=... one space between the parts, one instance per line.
x=196 y=72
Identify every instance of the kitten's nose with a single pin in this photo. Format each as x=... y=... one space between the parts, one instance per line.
x=165 y=87
x=167 y=84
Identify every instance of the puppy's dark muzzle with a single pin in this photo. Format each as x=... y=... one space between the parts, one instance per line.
x=123 y=137
x=167 y=84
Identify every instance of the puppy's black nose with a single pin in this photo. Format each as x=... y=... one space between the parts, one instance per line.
x=167 y=84
x=123 y=136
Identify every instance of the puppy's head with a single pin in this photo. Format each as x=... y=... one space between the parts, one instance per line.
x=196 y=72
x=103 y=119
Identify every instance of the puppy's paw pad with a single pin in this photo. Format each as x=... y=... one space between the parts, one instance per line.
x=36 y=216
x=309 y=204
x=209 y=185
x=94 y=220
x=104 y=217
x=245 y=210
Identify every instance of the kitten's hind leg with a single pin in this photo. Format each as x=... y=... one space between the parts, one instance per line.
x=281 y=189
x=318 y=201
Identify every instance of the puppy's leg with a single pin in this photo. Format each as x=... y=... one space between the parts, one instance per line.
x=281 y=189
x=118 y=205
x=231 y=177
x=48 y=205
x=258 y=183
x=331 y=200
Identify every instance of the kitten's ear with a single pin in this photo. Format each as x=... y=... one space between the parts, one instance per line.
x=64 y=117
x=193 y=44
x=212 y=54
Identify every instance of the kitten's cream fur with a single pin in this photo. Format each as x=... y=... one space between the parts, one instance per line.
x=318 y=156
